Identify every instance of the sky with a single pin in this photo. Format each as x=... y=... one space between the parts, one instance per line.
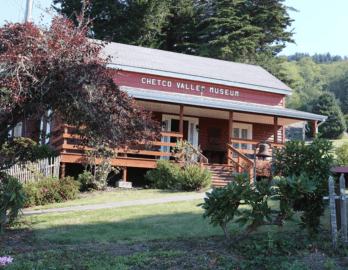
x=320 y=26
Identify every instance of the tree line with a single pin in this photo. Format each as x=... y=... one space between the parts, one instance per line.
x=248 y=31
x=320 y=88
x=320 y=58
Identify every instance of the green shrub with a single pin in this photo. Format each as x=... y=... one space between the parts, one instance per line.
x=193 y=178
x=43 y=151
x=12 y=200
x=342 y=155
x=222 y=204
x=166 y=176
x=314 y=162
x=50 y=190
x=87 y=181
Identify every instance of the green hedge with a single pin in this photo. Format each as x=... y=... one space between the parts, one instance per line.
x=169 y=175
x=51 y=190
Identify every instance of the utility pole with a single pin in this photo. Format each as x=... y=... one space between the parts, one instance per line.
x=28 y=10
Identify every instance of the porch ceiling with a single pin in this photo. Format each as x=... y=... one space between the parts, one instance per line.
x=213 y=113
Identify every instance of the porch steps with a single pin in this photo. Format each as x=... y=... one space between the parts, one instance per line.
x=222 y=173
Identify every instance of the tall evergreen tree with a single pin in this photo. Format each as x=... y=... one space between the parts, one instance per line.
x=250 y=31
x=335 y=124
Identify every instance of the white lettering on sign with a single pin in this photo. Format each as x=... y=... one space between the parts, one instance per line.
x=190 y=87
x=226 y=92
x=156 y=82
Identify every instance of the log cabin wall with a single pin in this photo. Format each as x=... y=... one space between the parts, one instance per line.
x=213 y=134
x=263 y=132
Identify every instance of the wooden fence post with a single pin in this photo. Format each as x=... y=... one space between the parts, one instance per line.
x=343 y=208
x=333 y=210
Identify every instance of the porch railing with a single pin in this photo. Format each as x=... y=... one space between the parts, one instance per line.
x=201 y=159
x=66 y=143
x=241 y=153
x=241 y=167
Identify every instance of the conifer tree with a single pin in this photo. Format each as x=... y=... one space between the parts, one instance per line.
x=248 y=31
x=335 y=124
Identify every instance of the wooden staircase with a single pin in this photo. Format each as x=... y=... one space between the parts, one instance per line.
x=222 y=173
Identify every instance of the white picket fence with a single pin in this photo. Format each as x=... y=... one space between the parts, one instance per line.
x=25 y=173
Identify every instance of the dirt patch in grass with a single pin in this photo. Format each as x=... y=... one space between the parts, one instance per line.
x=188 y=253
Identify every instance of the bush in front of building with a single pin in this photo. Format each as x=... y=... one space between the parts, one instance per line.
x=12 y=200
x=169 y=175
x=342 y=155
x=314 y=162
x=50 y=190
x=166 y=176
x=43 y=151
x=193 y=178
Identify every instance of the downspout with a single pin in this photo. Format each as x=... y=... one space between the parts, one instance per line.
x=316 y=131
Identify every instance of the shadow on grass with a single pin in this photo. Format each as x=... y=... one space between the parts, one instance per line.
x=135 y=223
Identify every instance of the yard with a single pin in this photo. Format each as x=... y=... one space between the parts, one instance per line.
x=159 y=236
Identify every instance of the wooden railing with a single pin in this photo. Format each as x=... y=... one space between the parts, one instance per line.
x=66 y=143
x=253 y=143
x=238 y=161
x=193 y=151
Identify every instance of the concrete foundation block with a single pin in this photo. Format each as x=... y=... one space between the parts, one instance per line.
x=124 y=184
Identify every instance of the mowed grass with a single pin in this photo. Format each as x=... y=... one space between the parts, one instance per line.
x=337 y=143
x=114 y=196
x=71 y=237
x=134 y=223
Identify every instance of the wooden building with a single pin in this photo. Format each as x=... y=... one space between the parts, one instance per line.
x=224 y=108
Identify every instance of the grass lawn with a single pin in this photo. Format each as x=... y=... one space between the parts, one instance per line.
x=337 y=143
x=129 y=224
x=116 y=195
x=161 y=236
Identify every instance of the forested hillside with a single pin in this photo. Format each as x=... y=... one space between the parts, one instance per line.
x=320 y=84
x=311 y=79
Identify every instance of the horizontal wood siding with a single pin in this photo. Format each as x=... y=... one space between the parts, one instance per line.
x=205 y=125
x=135 y=79
x=262 y=132
x=157 y=116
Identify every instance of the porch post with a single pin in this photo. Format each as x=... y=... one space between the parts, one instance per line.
x=315 y=127
x=230 y=130
x=62 y=175
x=181 y=122
x=65 y=141
x=124 y=175
x=275 y=129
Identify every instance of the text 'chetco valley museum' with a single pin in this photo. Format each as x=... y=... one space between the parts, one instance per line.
x=224 y=108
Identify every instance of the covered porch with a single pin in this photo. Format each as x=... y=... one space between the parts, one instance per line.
x=226 y=132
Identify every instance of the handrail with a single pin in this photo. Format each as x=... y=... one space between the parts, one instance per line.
x=171 y=134
x=202 y=159
x=250 y=164
x=240 y=154
x=247 y=141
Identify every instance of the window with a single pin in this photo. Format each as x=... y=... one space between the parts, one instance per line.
x=242 y=131
x=17 y=131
